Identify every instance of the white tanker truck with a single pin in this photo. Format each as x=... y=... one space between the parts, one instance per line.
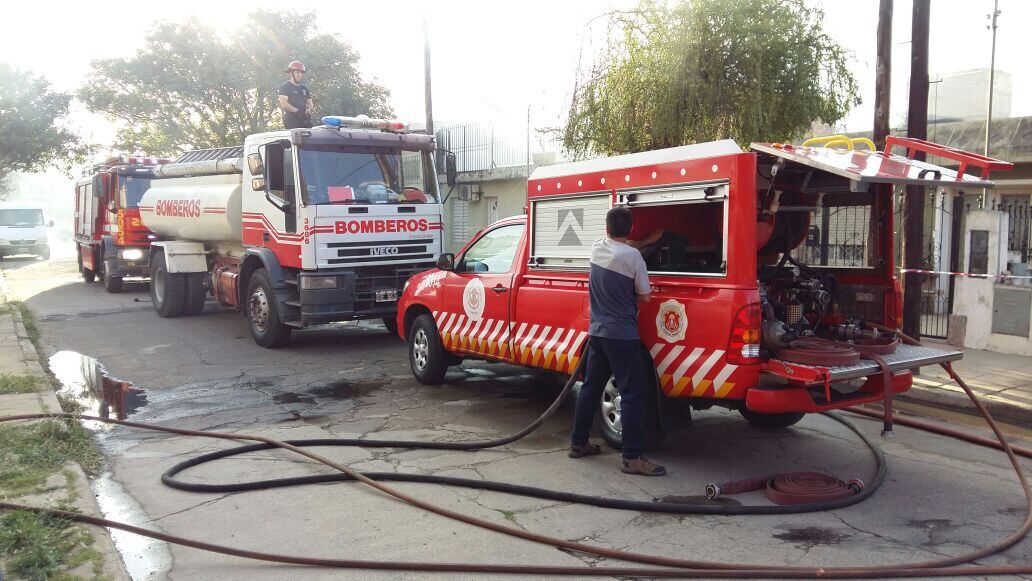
x=297 y=227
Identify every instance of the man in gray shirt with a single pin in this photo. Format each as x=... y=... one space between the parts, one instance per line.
x=618 y=281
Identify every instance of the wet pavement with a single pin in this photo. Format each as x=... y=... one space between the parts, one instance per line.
x=941 y=497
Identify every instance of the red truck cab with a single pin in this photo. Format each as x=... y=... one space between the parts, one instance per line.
x=760 y=249
x=111 y=241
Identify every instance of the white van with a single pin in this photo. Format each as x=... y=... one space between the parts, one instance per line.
x=23 y=231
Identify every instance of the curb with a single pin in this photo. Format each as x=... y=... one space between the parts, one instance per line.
x=960 y=402
x=114 y=567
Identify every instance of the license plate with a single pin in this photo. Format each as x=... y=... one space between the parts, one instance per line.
x=386 y=296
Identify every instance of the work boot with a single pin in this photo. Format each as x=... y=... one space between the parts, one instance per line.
x=588 y=449
x=641 y=465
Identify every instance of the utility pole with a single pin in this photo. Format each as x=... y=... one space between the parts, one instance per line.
x=917 y=127
x=883 y=74
x=426 y=73
x=992 y=79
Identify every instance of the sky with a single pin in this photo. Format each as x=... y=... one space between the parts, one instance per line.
x=495 y=61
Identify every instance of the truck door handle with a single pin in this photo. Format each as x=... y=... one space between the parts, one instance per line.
x=265 y=236
x=499 y=289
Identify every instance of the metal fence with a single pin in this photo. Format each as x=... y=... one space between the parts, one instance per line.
x=1019 y=234
x=482 y=146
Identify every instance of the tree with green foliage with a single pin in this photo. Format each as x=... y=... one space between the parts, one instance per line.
x=188 y=87
x=32 y=137
x=700 y=70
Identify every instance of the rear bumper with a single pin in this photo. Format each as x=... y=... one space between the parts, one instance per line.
x=806 y=388
x=776 y=399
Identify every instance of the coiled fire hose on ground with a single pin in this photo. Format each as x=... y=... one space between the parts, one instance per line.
x=673 y=567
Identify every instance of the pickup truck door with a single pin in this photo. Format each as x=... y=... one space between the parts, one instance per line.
x=478 y=294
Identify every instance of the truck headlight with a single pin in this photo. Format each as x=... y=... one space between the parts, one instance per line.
x=318 y=282
x=131 y=254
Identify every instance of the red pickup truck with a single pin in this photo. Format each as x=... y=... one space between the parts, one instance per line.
x=760 y=250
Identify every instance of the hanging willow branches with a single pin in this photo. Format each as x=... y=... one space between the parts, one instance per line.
x=700 y=70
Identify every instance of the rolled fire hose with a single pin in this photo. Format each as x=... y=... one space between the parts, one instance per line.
x=685 y=568
x=790 y=488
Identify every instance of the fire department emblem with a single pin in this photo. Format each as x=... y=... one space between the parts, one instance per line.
x=473 y=299
x=671 y=322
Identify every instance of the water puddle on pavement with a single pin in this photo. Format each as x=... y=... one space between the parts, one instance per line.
x=85 y=382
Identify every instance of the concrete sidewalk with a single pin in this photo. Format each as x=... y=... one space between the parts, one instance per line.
x=18 y=357
x=1002 y=382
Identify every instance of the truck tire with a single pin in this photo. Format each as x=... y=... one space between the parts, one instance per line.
x=770 y=421
x=196 y=293
x=262 y=315
x=608 y=420
x=426 y=354
x=45 y=255
x=167 y=290
x=112 y=284
x=391 y=324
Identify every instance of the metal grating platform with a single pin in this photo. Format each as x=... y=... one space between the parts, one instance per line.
x=211 y=154
x=905 y=357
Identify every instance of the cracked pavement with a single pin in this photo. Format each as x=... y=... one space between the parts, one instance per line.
x=941 y=497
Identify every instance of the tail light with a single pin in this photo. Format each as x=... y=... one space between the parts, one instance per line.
x=743 y=348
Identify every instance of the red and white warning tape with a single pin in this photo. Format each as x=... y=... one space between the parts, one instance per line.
x=963 y=274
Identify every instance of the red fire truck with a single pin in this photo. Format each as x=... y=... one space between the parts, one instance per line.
x=760 y=251
x=111 y=241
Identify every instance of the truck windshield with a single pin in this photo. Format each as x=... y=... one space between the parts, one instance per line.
x=366 y=176
x=21 y=217
x=131 y=189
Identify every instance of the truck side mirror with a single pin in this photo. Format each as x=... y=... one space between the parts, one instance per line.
x=258 y=184
x=446 y=261
x=255 y=165
x=98 y=186
x=50 y=224
x=451 y=169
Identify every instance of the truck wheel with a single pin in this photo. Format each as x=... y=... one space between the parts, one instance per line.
x=196 y=292
x=608 y=420
x=45 y=255
x=112 y=284
x=426 y=354
x=263 y=318
x=391 y=324
x=770 y=421
x=167 y=290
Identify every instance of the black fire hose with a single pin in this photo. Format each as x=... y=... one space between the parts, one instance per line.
x=684 y=567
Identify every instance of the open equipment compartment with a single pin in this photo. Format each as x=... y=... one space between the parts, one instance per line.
x=824 y=253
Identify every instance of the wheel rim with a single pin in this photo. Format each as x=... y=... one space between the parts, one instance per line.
x=158 y=284
x=611 y=407
x=420 y=350
x=259 y=309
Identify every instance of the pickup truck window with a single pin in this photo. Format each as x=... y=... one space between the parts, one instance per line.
x=494 y=252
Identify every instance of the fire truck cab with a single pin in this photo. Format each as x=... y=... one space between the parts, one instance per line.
x=759 y=250
x=111 y=241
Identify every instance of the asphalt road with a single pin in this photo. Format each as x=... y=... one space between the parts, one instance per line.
x=941 y=498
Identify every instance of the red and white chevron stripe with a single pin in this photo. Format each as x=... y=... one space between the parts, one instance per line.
x=552 y=348
x=681 y=368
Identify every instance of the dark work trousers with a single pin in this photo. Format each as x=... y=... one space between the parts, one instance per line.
x=622 y=360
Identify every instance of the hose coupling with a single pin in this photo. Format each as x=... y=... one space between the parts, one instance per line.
x=856 y=485
x=713 y=491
